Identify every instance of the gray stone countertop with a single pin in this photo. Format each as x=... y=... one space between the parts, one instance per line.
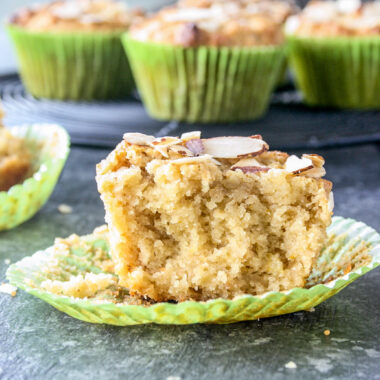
x=39 y=342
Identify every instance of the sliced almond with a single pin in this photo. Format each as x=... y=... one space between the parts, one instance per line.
x=315 y=172
x=182 y=150
x=190 y=135
x=331 y=201
x=246 y=162
x=298 y=165
x=317 y=160
x=138 y=138
x=234 y=146
x=162 y=144
x=195 y=146
x=195 y=159
x=251 y=169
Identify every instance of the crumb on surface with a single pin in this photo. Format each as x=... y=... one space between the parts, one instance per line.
x=311 y=310
x=327 y=332
x=291 y=365
x=65 y=209
x=8 y=289
x=7 y=261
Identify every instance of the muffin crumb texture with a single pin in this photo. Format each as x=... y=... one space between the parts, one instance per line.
x=194 y=218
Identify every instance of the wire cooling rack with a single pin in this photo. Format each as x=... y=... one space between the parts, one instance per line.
x=289 y=124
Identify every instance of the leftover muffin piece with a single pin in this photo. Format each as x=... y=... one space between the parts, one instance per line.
x=193 y=218
x=336 y=18
x=193 y=23
x=14 y=160
x=76 y=16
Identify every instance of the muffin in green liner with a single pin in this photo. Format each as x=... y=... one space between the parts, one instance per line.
x=49 y=147
x=84 y=266
x=204 y=84
x=72 y=50
x=336 y=57
x=337 y=72
x=72 y=66
x=208 y=61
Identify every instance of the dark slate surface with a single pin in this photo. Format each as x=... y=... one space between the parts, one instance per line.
x=288 y=122
x=39 y=342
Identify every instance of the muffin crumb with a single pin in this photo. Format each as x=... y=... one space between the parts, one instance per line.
x=8 y=289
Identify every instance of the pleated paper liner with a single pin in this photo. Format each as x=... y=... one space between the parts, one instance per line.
x=204 y=84
x=339 y=72
x=72 y=66
x=352 y=250
x=49 y=148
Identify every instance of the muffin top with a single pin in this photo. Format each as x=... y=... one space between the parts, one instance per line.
x=193 y=23
x=336 y=18
x=77 y=15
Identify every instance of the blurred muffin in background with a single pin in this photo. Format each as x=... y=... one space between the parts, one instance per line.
x=208 y=61
x=71 y=50
x=334 y=51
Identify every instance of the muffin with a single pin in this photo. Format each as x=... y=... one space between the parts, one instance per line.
x=71 y=50
x=334 y=52
x=14 y=160
x=31 y=160
x=208 y=61
x=198 y=219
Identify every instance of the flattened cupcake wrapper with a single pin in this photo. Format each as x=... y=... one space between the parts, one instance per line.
x=340 y=260
x=337 y=72
x=204 y=84
x=72 y=66
x=49 y=147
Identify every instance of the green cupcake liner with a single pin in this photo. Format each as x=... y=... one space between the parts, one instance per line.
x=49 y=148
x=72 y=66
x=204 y=84
x=348 y=241
x=337 y=72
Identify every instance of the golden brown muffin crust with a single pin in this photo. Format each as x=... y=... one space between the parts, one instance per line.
x=342 y=18
x=193 y=23
x=77 y=16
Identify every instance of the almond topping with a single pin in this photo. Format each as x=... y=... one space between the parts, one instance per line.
x=138 y=138
x=234 y=146
x=195 y=146
x=317 y=160
x=162 y=144
x=190 y=135
x=250 y=165
x=298 y=165
x=195 y=159
x=182 y=150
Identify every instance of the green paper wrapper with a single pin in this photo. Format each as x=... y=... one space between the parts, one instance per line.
x=49 y=147
x=204 y=84
x=352 y=250
x=72 y=66
x=337 y=72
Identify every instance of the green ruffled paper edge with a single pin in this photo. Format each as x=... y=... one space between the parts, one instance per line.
x=72 y=65
x=214 y=311
x=49 y=145
x=204 y=84
x=342 y=72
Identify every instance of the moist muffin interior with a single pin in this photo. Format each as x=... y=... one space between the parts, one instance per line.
x=196 y=227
